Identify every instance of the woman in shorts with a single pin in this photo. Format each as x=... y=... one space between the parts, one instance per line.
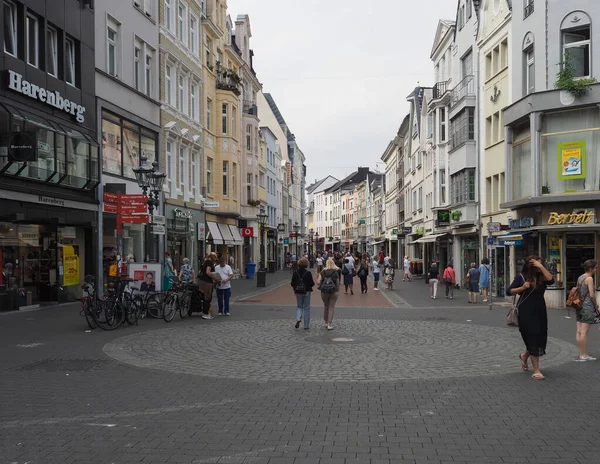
x=588 y=313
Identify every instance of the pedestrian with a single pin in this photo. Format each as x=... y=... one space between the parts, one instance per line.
x=302 y=283
x=390 y=273
x=186 y=273
x=473 y=283
x=406 y=268
x=224 y=287
x=363 y=273
x=169 y=272
x=533 y=318
x=434 y=276
x=348 y=273
x=206 y=283
x=376 y=270
x=386 y=260
x=588 y=313
x=319 y=264
x=381 y=256
x=449 y=280
x=484 y=278
x=328 y=281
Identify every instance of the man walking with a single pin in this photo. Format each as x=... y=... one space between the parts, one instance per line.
x=224 y=288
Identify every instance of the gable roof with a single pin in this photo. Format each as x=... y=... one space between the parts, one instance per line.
x=312 y=187
x=356 y=177
x=444 y=26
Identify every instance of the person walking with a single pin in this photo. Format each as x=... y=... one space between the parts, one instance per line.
x=206 y=283
x=533 y=317
x=484 y=278
x=329 y=283
x=224 y=287
x=348 y=273
x=434 y=276
x=186 y=273
x=376 y=271
x=302 y=283
x=319 y=264
x=169 y=272
x=406 y=267
x=390 y=273
x=363 y=273
x=473 y=283
x=449 y=280
x=588 y=313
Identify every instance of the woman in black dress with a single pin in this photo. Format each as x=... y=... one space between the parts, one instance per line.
x=533 y=319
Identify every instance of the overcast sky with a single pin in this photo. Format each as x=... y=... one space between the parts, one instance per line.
x=340 y=71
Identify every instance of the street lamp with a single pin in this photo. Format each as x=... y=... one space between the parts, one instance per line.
x=261 y=275
x=296 y=230
x=157 y=179
x=143 y=176
x=311 y=235
x=317 y=241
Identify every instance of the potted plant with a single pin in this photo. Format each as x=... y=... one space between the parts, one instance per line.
x=567 y=81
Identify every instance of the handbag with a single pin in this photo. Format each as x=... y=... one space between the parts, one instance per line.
x=512 y=317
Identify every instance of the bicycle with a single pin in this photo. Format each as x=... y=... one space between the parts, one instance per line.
x=120 y=308
x=177 y=298
x=90 y=304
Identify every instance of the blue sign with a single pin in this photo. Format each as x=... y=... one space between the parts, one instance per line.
x=521 y=223
x=490 y=240
x=512 y=242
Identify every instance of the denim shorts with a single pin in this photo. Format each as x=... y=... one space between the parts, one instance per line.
x=587 y=316
x=376 y=277
x=474 y=287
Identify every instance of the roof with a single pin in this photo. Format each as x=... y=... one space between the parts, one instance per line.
x=354 y=178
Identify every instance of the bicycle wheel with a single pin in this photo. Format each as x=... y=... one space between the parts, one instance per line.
x=184 y=305
x=87 y=308
x=133 y=310
x=170 y=307
x=154 y=305
x=110 y=315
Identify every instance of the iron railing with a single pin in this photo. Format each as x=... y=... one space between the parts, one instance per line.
x=440 y=89
x=464 y=88
x=250 y=108
x=528 y=9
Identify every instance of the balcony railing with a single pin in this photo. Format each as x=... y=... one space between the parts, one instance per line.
x=465 y=88
x=250 y=108
x=440 y=89
x=227 y=79
x=528 y=9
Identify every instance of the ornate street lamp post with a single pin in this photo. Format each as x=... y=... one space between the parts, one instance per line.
x=317 y=242
x=296 y=230
x=143 y=174
x=157 y=179
x=261 y=275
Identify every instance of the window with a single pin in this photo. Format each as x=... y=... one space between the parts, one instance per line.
x=469 y=9
x=194 y=35
x=576 y=45
x=521 y=162
x=194 y=111
x=10 y=28
x=208 y=48
x=233 y=183
x=169 y=90
x=443 y=186
x=182 y=102
x=467 y=64
x=225 y=178
x=148 y=73
x=224 y=119
x=462 y=127
x=462 y=186
x=248 y=137
x=203 y=7
x=420 y=198
x=209 y=168
x=442 y=124
x=70 y=61
x=414 y=201
x=181 y=169
x=528 y=8
x=52 y=51
x=137 y=65
x=249 y=186
x=169 y=172
x=504 y=54
x=261 y=179
x=169 y=23
x=112 y=44
x=193 y=173
x=32 y=40
x=233 y=121
x=182 y=33
x=208 y=113
x=529 y=71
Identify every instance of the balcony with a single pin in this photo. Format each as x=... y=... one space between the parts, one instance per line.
x=528 y=9
x=227 y=79
x=250 y=108
x=441 y=91
x=463 y=95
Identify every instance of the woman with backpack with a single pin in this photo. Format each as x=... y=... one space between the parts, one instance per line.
x=363 y=273
x=348 y=273
x=329 y=284
x=302 y=283
x=587 y=314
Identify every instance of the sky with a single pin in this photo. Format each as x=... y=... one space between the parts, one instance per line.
x=340 y=71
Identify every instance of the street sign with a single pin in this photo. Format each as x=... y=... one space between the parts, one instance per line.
x=133 y=218
x=292 y=235
x=158 y=229
x=133 y=209
x=111 y=197
x=158 y=219
x=490 y=240
x=110 y=208
x=494 y=226
x=286 y=241
x=131 y=199
x=211 y=204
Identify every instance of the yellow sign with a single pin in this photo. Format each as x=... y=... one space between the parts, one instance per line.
x=70 y=266
x=571 y=160
x=576 y=217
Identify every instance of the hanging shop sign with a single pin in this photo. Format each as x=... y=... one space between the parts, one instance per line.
x=201 y=231
x=571 y=160
x=443 y=218
x=521 y=223
x=248 y=232
x=271 y=233
x=585 y=216
x=22 y=147
x=183 y=214
x=49 y=97
x=394 y=231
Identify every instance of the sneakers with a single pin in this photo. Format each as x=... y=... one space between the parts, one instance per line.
x=207 y=317
x=227 y=314
x=297 y=324
x=219 y=313
x=585 y=359
x=375 y=289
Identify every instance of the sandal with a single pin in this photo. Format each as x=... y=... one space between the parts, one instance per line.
x=524 y=365
x=539 y=376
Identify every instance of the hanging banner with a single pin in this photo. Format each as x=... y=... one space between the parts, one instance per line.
x=571 y=160
x=70 y=266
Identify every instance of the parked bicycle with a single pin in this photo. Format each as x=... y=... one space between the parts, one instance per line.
x=90 y=303
x=116 y=309
x=177 y=298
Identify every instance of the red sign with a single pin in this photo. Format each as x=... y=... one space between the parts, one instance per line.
x=133 y=199
x=133 y=218
x=292 y=235
x=131 y=209
x=110 y=208
x=248 y=232
x=111 y=197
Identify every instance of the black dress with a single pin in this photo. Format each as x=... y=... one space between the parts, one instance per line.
x=533 y=317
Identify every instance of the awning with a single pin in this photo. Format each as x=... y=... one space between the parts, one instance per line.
x=214 y=233
x=512 y=239
x=235 y=232
x=377 y=243
x=226 y=234
x=429 y=238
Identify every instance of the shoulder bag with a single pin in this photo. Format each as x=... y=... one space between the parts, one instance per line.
x=512 y=317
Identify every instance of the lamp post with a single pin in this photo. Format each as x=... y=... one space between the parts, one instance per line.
x=157 y=179
x=261 y=275
x=143 y=174
x=317 y=241
x=296 y=230
x=311 y=236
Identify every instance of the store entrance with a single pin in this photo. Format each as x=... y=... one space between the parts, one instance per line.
x=498 y=282
x=580 y=248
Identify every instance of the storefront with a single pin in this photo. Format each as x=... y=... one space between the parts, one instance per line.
x=184 y=238
x=223 y=237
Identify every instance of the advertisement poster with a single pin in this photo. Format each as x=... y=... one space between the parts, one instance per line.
x=70 y=266
x=151 y=274
x=571 y=160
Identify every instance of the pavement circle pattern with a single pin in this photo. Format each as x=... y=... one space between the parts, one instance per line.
x=273 y=350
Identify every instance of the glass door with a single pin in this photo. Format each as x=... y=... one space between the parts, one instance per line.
x=579 y=249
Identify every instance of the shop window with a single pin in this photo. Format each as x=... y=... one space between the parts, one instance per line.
x=569 y=147
x=77 y=160
x=521 y=163
x=551 y=254
x=131 y=152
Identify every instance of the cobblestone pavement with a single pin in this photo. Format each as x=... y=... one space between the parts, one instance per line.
x=440 y=384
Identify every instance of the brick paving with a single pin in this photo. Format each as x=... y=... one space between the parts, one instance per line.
x=258 y=390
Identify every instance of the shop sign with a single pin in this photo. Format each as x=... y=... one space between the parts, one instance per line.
x=281 y=227
x=183 y=214
x=407 y=230
x=292 y=234
x=248 y=232
x=201 y=231
x=394 y=231
x=211 y=204
x=456 y=215
x=51 y=98
x=158 y=219
x=420 y=231
x=512 y=242
x=494 y=226
x=520 y=223
x=271 y=234
x=576 y=217
x=70 y=266
x=443 y=218
x=68 y=232
x=362 y=221
x=286 y=241
x=571 y=160
x=51 y=201
x=30 y=238
x=43 y=146
x=22 y=147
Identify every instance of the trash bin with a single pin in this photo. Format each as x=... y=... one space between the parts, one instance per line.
x=261 y=278
x=250 y=270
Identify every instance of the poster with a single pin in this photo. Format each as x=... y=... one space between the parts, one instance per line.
x=571 y=160
x=70 y=266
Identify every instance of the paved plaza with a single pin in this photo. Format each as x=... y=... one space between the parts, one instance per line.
x=401 y=378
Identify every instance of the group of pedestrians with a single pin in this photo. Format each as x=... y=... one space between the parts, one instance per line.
x=477 y=278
